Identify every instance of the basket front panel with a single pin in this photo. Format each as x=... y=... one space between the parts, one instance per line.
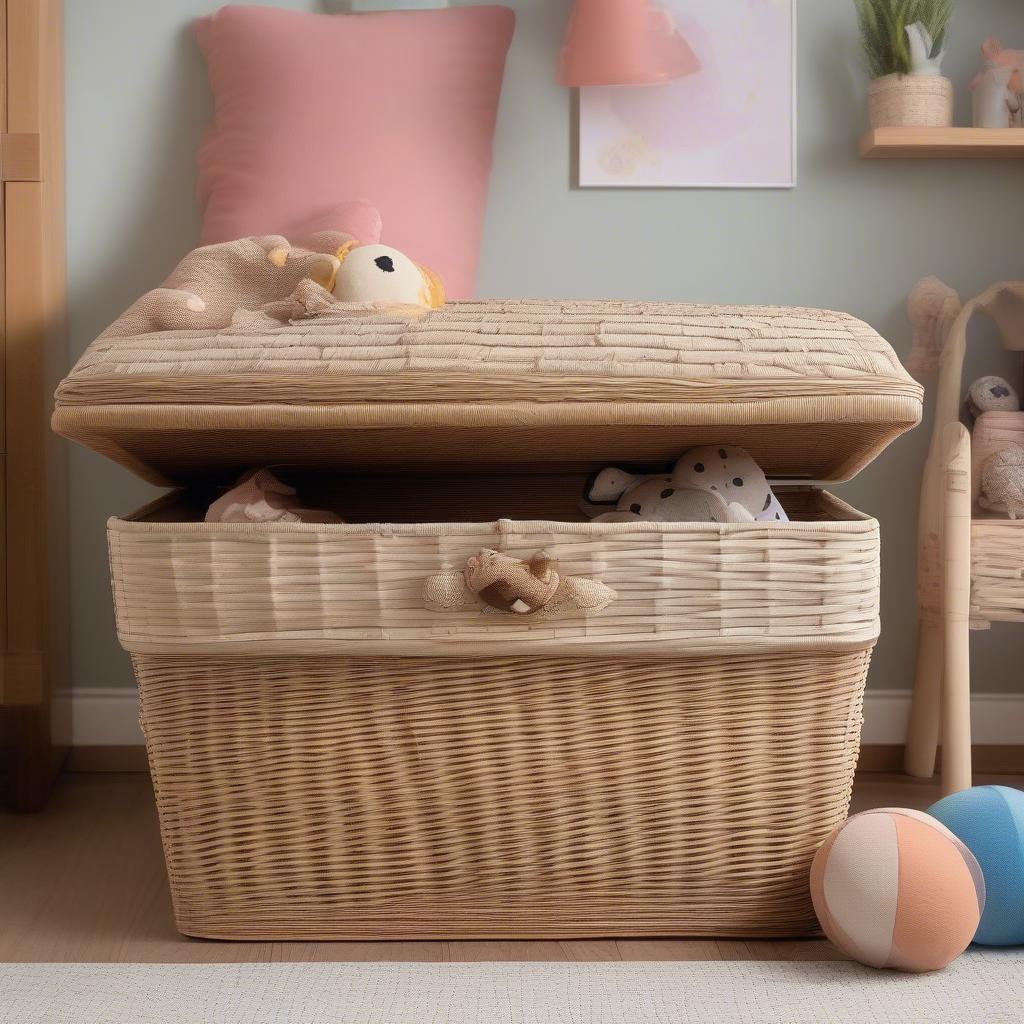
x=681 y=589
x=402 y=798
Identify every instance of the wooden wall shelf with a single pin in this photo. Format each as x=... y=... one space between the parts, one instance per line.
x=943 y=144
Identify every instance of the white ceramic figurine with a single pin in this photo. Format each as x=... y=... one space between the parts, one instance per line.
x=995 y=104
x=923 y=58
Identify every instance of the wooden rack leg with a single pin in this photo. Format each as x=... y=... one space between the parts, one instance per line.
x=923 y=730
x=956 y=564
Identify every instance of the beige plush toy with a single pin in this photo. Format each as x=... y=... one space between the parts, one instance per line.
x=259 y=497
x=494 y=582
x=381 y=276
x=211 y=284
x=992 y=394
x=713 y=483
x=1002 y=482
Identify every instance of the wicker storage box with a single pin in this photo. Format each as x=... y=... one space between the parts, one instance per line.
x=333 y=759
x=997 y=543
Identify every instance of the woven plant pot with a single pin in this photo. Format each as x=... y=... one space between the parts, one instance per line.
x=910 y=101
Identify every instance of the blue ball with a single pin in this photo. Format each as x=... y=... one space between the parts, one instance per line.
x=989 y=821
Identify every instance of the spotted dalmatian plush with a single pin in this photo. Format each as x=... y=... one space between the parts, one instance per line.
x=714 y=484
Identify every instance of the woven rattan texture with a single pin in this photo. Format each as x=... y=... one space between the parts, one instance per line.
x=997 y=571
x=358 y=589
x=516 y=339
x=526 y=797
x=810 y=393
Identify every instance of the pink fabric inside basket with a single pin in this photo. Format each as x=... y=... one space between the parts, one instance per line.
x=395 y=109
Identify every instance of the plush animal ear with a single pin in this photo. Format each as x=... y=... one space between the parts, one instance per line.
x=738 y=514
x=344 y=249
x=432 y=296
x=991 y=48
x=324 y=270
x=609 y=485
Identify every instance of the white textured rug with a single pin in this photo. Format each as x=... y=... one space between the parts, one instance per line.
x=982 y=986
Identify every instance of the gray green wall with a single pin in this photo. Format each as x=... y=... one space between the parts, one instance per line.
x=854 y=235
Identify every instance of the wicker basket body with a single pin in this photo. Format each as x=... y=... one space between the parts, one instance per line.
x=910 y=101
x=665 y=767
x=374 y=798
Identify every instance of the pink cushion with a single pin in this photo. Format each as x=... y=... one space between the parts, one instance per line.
x=395 y=110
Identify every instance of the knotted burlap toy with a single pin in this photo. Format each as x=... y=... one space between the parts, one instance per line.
x=494 y=582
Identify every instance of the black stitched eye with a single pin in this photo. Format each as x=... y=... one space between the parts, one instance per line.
x=636 y=508
x=767 y=501
x=668 y=493
x=699 y=468
x=737 y=481
x=777 y=516
x=723 y=453
x=385 y=263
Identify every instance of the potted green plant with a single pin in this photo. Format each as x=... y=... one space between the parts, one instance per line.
x=904 y=43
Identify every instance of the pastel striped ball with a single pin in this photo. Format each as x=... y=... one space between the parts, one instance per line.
x=990 y=820
x=894 y=888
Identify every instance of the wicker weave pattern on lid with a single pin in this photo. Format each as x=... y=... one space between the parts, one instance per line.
x=489 y=372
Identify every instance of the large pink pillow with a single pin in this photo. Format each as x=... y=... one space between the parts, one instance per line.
x=395 y=109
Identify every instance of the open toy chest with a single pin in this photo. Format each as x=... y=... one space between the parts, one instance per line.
x=333 y=759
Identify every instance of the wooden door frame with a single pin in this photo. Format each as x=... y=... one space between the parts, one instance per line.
x=34 y=477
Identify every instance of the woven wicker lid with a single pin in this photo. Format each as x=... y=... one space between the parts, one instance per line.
x=573 y=385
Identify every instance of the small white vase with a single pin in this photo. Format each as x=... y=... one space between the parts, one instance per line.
x=991 y=99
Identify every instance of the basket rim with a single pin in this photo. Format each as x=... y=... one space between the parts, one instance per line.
x=854 y=521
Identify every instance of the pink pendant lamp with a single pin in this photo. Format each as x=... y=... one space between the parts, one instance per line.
x=623 y=42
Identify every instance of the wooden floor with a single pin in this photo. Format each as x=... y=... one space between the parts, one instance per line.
x=84 y=881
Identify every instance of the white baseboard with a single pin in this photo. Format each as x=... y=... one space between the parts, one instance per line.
x=109 y=717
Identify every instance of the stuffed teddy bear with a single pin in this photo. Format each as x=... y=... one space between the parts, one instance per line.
x=494 y=582
x=710 y=484
x=992 y=394
x=381 y=276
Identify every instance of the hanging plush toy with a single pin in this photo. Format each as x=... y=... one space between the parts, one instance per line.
x=381 y=276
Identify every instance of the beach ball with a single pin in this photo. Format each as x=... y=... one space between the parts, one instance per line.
x=894 y=888
x=989 y=820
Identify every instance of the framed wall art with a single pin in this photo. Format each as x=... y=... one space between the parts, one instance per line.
x=730 y=123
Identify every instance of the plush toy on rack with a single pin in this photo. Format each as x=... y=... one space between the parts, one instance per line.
x=1002 y=482
x=495 y=582
x=991 y=394
x=380 y=276
x=997 y=443
x=713 y=483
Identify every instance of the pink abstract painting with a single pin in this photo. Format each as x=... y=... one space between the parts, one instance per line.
x=731 y=124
